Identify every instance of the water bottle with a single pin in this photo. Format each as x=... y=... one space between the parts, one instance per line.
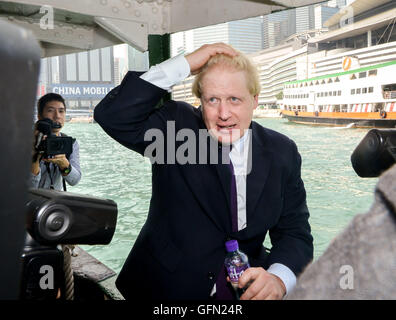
x=236 y=262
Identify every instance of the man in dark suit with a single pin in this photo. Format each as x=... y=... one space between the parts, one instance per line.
x=204 y=193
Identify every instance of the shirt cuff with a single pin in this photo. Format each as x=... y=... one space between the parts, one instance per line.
x=73 y=177
x=285 y=274
x=35 y=180
x=168 y=73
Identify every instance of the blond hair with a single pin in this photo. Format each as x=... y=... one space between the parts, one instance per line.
x=238 y=63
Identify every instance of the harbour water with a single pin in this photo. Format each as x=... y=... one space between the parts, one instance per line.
x=335 y=194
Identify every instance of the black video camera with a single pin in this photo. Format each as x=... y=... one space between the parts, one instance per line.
x=53 y=144
x=53 y=218
x=375 y=153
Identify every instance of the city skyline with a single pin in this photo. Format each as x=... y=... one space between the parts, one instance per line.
x=260 y=32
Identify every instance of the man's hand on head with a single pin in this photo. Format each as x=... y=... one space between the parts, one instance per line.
x=199 y=57
x=263 y=285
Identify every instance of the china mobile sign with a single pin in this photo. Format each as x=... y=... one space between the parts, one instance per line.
x=81 y=91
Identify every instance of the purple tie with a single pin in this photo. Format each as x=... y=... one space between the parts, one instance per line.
x=224 y=290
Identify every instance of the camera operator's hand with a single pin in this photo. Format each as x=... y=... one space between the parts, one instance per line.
x=60 y=160
x=36 y=156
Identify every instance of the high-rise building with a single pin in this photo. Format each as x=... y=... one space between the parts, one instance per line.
x=182 y=42
x=137 y=61
x=323 y=13
x=244 y=35
x=337 y=3
x=254 y=34
x=305 y=18
x=83 y=79
x=277 y=27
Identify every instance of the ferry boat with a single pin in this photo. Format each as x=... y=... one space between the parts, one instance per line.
x=363 y=97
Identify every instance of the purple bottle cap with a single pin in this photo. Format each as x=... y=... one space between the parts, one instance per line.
x=231 y=245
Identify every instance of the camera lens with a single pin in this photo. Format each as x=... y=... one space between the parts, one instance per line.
x=54 y=222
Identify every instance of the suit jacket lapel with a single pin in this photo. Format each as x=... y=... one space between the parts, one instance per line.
x=257 y=178
x=205 y=187
x=205 y=181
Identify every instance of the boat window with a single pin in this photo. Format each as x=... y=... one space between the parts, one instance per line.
x=352 y=91
x=353 y=76
x=326 y=93
x=339 y=92
x=362 y=74
x=364 y=90
x=317 y=82
x=330 y=93
x=358 y=91
x=372 y=73
x=323 y=82
x=371 y=89
x=337 y=79
x=334 y=93
x=330 y=81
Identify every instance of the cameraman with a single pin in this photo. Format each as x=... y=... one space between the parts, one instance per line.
x=50 y=173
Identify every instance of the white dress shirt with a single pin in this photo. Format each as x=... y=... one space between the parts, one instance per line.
x=173 y=71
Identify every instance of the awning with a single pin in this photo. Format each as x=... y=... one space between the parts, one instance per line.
x=91 y=24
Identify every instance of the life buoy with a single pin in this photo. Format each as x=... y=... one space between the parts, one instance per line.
x=346 y=63
x=316 y=113
x=383 y=114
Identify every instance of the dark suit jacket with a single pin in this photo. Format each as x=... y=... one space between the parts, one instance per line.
x=180 y=249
